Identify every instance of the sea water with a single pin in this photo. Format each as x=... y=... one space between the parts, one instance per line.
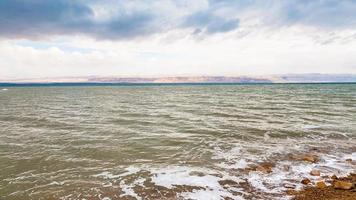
x=171 y=141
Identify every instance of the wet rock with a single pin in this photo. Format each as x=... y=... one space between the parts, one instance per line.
x=288 y=185
x=291 y=192
x=320 y=184
x=315 y=172
x=310 y=158
x=305 y=181
x=314 y=149
x=329 y=192
x=286 y=168
x=333 y=177
x=227 y=183
x=350 y=161
x=343 y=185
x=265 y=167
x=195 y=173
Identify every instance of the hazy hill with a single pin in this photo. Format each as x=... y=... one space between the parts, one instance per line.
x=286 y=78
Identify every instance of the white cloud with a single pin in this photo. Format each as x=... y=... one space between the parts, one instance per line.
x=295 y=49
x=176 y=37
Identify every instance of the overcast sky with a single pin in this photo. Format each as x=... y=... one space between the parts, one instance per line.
x=56 y=38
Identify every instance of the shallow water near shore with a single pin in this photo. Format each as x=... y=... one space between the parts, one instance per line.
x=171 y=141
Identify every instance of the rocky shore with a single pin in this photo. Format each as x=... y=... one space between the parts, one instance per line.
x=325 y=187
x=338 y=189
x=318 y=185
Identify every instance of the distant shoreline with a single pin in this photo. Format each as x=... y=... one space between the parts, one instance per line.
x=187 y=80
x=70 y=84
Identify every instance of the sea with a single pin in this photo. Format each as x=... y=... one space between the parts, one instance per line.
x=172 y=141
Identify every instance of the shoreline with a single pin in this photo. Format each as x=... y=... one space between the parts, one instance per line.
x=343 y=188
x=147 y=84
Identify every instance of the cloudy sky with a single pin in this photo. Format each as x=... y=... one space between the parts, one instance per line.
x=57 y=38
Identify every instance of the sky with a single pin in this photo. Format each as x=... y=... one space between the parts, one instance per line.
x=152 y=38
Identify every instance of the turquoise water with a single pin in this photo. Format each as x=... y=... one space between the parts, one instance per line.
x=170 y=141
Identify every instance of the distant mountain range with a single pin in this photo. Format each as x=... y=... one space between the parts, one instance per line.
x=285 y=78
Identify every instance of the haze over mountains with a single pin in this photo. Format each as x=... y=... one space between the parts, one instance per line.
x=286 y=78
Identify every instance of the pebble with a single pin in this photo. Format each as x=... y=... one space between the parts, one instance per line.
x=321 y=185
x=315 y=172
x=334 y=177
x=342 y=185
x=310 y=158
x=305 y=181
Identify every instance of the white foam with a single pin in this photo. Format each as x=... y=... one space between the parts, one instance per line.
x=256 y=181
x=208 y=195
x=232 y=154
x=311 y=127
x=239 y=157
x=107 y=175
x=170 y=176
x=240 y=164
x=127 y=190
x=208 y=179
x=179 y=175
x=56 y=183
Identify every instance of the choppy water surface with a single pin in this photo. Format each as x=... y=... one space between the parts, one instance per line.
x=171 y=142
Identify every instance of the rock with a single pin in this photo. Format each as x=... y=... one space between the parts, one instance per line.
x=350 y=161
x=310 y=158
x=228 y=182
x=334 y=177
x=315 y=172
x=290 y=186
x=343 y=185
x=264 y=169
x=291 y=192
x=321 y=185
x=305 y=181
x=286 y=168
x=195 y=173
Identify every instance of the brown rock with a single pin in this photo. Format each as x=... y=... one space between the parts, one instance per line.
x=343 y=185
x=227 y=183
x=321 y=185
x=348 y=160
x=264 y=167
x=315 y=172
x=334 y=177
x=310 y=158
x=291 y=192
x=305 y=181
x=329 y=192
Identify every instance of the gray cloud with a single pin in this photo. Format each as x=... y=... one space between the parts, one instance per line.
x=324 y=13
x=42 y=18
x=334 y=14
x=209 y=23
x=36 y=18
